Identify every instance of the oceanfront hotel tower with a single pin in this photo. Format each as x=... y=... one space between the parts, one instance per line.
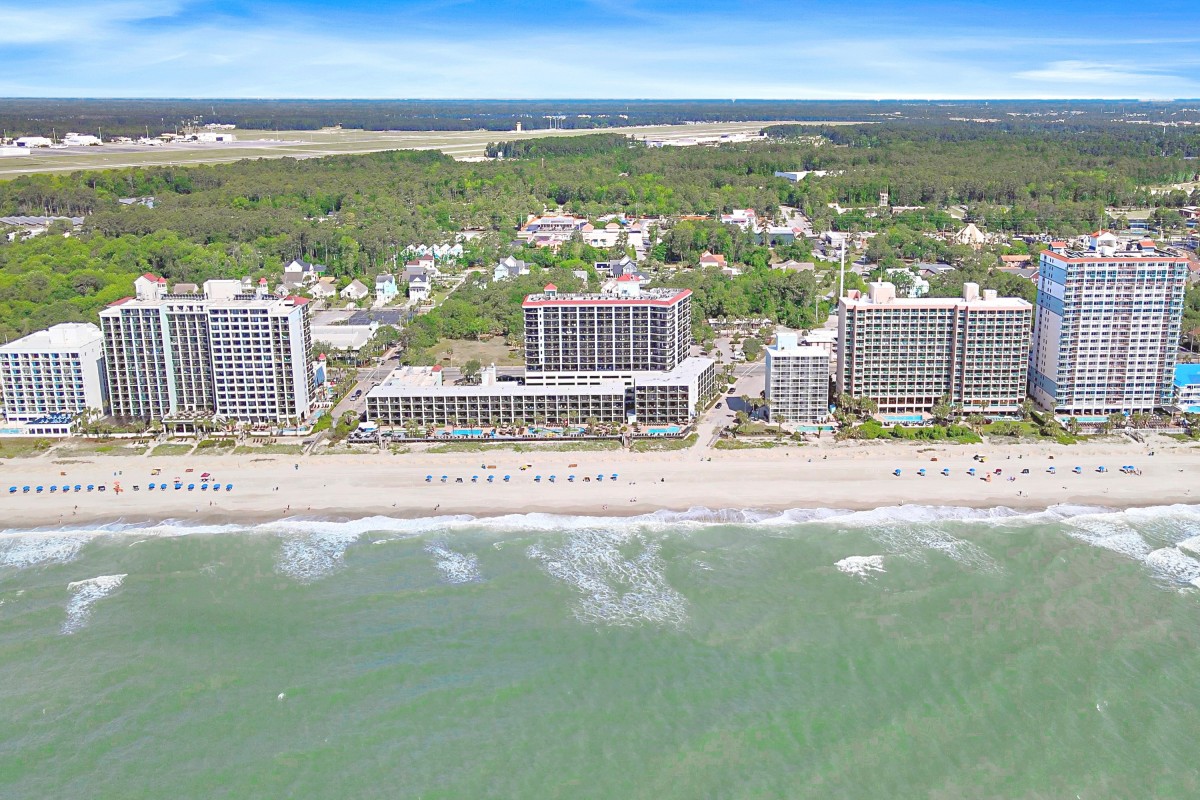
x=1107 y=327
x=909 y=354
x=238 y=355
x=600 y=336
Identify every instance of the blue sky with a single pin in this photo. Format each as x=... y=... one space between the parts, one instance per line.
x=802 y=49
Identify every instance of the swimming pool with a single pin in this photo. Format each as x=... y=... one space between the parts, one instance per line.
x=667 y=430
x=902 y=418
x=467 y=431
x=814 y=428
x=1089 y=420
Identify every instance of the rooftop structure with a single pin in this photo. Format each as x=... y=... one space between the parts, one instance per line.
x=1107 y=327
x=909 y=354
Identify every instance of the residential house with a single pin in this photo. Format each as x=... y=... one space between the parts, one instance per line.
x=509 y=267
x=302 y=273
x=419 y=288
x=971 y=236
x=616 y=268
x=712 y=260
x=791 y=265
x=386 y=288
x=743 y=218
x=356 y=290
x=324 y=288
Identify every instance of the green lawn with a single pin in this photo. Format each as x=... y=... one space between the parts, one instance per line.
x=171 y=449
x=23 y=448
x=460 y=351
x=268 y=449
x=657 y=445
x=101 y=447
x=742 y=444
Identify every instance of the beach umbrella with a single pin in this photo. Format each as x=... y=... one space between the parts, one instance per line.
x=25 y=490
x=921 y=472
x=12 y=490
x=66 y=488
x=78 y=488
x=150 y=488
x=506 y=479
x=1101 y=469
x=91 y=486
x=971 y=472
x=474 y=479
x=178 y=485
x=945 y=470
x=552 y=479
x=614 y=476
x=162 y=486
x=537 y=478
x=191 y=486
x=204 y=487
x=896 y=472
x=216 y=487
x=428 y=478
x=491 y=478
x=1051 y=470
x=599 y=477
x=39 y=489
x=229 y=487
x=1078 y=470
x=53 y=488
x=444 y=478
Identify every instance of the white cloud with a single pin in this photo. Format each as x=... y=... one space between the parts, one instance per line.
x=1092 y=72
x=47 y=23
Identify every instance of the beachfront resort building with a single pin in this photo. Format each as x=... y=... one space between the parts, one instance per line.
x=797 y=381
x=53 y=372
x=909 y=354
x=417 y=395
x=587 y=338
x=223 y=351
x=1187 y=388
x=1107 y=327
x=620 y=357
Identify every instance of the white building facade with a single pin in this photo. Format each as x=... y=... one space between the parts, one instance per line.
x=223 y=351
x=797 y=381
x=56 y=371
x=1107 y=327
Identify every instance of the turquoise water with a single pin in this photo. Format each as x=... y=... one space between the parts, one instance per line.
x=908 y=652
x=667 y=430
x=902 y=418
x=467 y=431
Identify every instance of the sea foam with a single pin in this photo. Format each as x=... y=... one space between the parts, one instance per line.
x=85 y=594
x=615 y=587
x=860 y=566
x=455 y=567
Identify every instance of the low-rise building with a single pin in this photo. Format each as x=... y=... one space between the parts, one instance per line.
x=509 y=267
x=797 y=381
x=53 y=372
x=1187 y=388
x=419 y=288
x=355 y=290
x=386 y=289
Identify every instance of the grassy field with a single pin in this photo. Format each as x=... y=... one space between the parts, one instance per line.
x=100 y=447
x=742 y=444
x=460 y=351
x=172 y=449
x=24 y=448
x=658 y=445
x=314 y=144
x=268 y=449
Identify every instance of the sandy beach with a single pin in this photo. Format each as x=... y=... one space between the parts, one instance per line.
x=843 y=476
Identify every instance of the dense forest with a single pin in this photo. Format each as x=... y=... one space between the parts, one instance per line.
x=357 y=213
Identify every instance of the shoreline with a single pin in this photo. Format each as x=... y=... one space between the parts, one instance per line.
x=343 y=488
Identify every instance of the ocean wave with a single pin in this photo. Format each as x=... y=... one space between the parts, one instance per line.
x=455 y=567
x=84 y=595
x=860 y=566
x=310 y=555
x=1157 y=537
x=33 y=549
x=614 y=588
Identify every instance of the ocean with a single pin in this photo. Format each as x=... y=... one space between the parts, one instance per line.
x=903 y=652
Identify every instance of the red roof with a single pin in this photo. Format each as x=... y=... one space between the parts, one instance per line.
x=321 y=357
x=550 y=287
x=150 y=276
x=607 y=301
x=297 y=300
x=629 y=276
x=122 y=301
x=436 y=368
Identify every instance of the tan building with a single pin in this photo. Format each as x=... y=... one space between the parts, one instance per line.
x=907 y=354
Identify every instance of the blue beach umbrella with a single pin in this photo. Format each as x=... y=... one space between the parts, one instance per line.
x=53 y=488
x=506 y=479
x=12 y=490
x=229 y=487
x=946 y=471
x=25 y=490
x=491 y=478
x=614 y=476
x=552 y=479
x=216 y=487
x=428 y=478
x=191 y=486
x=40 y=489
x=91 y=486
x=921 y=472
x=78 y=488
x=571 y=478
x=971 y=472
x=896 y=472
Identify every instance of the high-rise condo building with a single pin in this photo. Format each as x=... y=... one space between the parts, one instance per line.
x=907 y=354
x=55 y=371
x=585 y=338
x=1107 y=327
x=223 y=351
x=797 y=381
